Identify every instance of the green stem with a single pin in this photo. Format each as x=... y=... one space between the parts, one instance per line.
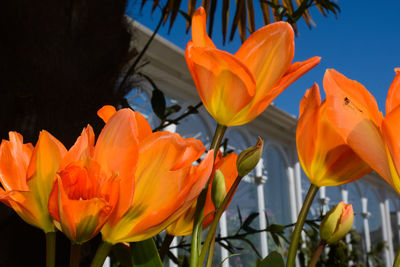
x=75 y=255
x=317 y=254
x=294 y=244
x=397 y=259
x=213 y=227
x=201 y=200
x=51 y=249
x=211 y=252
x=165 y=245
x=101 y=254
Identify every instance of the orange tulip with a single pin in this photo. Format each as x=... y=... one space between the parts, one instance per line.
x=166 y=184
x=184 y=224
x=235 y=89
x=323 y=153
x=27 y=175
x=96 y=180
x=358 y=120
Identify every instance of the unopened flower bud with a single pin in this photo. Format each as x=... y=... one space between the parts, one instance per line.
x=336 y=223
x=249 y=158
x=218 y=189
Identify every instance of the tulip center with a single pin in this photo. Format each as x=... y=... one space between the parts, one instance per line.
x=79 y=183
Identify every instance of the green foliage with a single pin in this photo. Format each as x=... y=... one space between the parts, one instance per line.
x=274 y=259
x=243 y=20
x=340 y=254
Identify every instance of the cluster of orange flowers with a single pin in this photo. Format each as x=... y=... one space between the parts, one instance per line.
x=133 y=183
x=346 y=136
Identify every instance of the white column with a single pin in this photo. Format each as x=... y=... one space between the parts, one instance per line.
x=299 y=189
x=107 y=262
x=224 y=232
x=292 y=193
x=171 y=128
x=365 y=214
x=260 y=181
x=299 y=195
x=384 y=233
x=398 y=224
x=323 y=199
x=174 y=251
x=345 y=194
x=389 y=230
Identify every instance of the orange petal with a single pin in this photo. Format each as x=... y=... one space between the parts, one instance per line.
x=393 y=97
x=162 y=191
x=184 y=224
x=390 y=132
x=225 y=84
x=116 y=151
x=199 y=29
x=143 y=127
x=295 y=71
x=82 y=150
x=307 y=127
x=30 y=210
x=355 y=116
x=268 y=53
x=42 y=171
x=81 y=220
x=14 y=160
x=106 y=112
x=354 y=93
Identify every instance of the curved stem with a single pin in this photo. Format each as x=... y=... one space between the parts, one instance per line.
x=211 y=252
x=101 y=254
x=317 y=254
x=214 y=224
x=201 y=200
x=397 y=259
x=294 y=244
x=75 y=255
x=51 y=249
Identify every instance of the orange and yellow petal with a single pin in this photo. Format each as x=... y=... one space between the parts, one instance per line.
x=14 y=160
x=354 y=114
x=82 y=150
x=390 y=127
x=199 y=29
x=184 y=224
x=116 y=151
x=162 y=191
x=393 y=97
x=41 y=175
x=80 y=219
x=225 y=84
x=307 y=127
x=106 y=112
x=268 y=53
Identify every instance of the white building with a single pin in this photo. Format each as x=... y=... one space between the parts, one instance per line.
x=278 y=185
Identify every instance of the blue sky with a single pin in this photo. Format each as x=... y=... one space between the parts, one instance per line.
x=363 y=43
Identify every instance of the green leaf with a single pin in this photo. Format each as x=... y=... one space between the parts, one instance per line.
x=122 y=253
x=248 y=221
x=145 y=254
x=276 y=228
x=274 y=259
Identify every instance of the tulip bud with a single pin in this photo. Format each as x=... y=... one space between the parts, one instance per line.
x=218 y=189
x=249 y=158
x=336 y=223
